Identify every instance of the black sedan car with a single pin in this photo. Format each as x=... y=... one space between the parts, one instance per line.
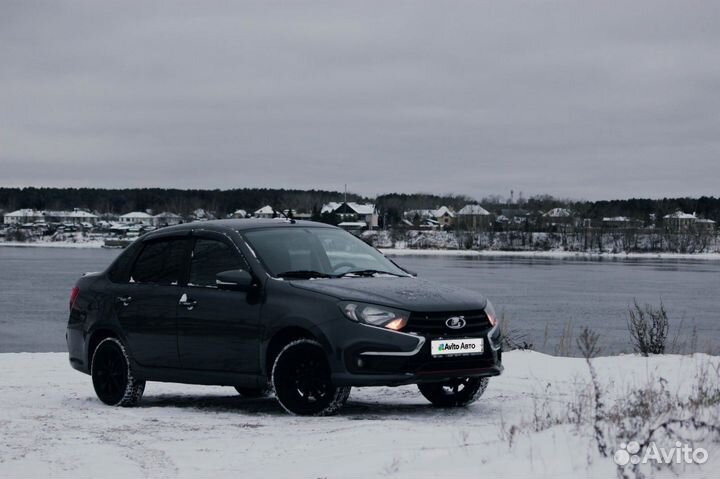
x=303 y=309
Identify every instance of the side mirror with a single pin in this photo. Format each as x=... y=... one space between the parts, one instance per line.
x=234 y=280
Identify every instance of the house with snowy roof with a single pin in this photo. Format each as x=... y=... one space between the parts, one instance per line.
x=444 y=216
x=429 y=218
x=351 y=213
x=473 y=218
x=27 y=215
x=266 y=211
x=558 y=218
x=680 y=221
x=136 y=218
x=76 y=216
x=22 y=216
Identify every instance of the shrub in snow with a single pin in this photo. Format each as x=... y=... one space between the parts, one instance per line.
x=513 y=338
x=648 y=328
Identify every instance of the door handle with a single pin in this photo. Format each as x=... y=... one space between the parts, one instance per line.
x=187 y=302
x=125 y=300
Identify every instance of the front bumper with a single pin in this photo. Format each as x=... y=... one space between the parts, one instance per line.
x=381 y=357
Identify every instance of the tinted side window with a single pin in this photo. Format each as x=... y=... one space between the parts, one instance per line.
x=211 y=257
x=160 y=262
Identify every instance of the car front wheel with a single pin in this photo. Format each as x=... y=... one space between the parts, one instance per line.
x=301 y=379
x=112 y=376
x=454 y=392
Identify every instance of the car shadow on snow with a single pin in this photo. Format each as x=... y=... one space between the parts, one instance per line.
x=369 y=410
x=361 y=409
x=213 y=403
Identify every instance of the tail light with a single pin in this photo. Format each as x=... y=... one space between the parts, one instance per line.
x=73 y=296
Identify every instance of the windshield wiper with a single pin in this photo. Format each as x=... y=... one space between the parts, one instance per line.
x=305 y=274
x=369 y=272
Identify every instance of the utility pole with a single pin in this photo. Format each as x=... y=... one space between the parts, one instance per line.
x=345 y=192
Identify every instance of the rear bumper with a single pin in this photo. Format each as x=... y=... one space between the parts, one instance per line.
x=77 y=353
x=380 y=357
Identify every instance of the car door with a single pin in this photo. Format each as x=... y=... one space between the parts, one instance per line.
x=218 y=329
x=148 y=303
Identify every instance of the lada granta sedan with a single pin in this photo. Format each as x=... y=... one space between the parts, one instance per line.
x=301 y=309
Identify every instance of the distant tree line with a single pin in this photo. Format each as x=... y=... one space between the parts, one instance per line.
x=390 y=206
x=705 y=207
x=184 y=202
x=634 y=208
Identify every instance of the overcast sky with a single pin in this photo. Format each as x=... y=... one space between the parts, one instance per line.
x=582 y=99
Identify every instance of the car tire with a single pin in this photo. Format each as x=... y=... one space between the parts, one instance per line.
x=454 y=392
x=301 y=379
x=112 y=376
x=254 y=392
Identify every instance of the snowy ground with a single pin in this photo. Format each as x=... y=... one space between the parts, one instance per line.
x=51 y=424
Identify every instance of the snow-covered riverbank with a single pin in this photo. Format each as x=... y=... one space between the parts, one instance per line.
x=54 y=244
x=52 y=425
x=430 y=252
x=545 y=254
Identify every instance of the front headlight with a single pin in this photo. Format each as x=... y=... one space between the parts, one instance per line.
x=490 y=312
x=380 y=316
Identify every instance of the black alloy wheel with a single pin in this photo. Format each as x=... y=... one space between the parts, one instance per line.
x=112 y=377
x=301 y=379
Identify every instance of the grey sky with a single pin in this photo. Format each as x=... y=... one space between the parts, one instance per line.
x=578 y=99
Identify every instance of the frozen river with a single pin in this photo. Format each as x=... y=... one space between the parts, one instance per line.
x=539 y=296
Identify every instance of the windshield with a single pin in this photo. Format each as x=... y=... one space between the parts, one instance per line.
x=317 y=253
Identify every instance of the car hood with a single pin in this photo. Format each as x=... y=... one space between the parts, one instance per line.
x=411 y=294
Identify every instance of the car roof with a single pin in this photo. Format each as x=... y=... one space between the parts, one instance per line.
x=235 y=225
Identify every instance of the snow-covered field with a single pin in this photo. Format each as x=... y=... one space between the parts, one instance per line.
x=52 y=425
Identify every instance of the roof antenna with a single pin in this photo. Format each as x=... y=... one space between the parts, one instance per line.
x=345 y=192
x=291 y=220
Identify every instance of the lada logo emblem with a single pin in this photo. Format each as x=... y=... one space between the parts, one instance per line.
x=456 y=322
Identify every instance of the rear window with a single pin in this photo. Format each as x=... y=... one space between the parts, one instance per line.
x=160 y=262
x=119 y=271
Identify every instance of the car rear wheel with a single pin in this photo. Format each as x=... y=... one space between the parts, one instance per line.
x=301 y=379
x=454 y=392
x=253 y=392
x=112 y=376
